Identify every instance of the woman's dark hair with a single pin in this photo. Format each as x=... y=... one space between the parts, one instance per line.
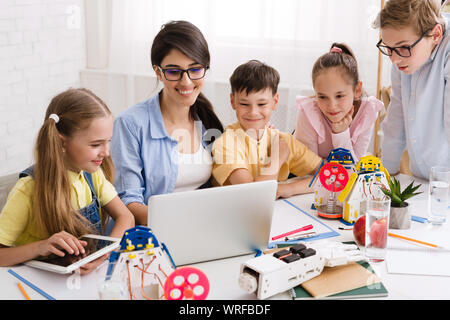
x=189 y=40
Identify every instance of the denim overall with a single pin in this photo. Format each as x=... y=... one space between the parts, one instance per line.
x=91 y=212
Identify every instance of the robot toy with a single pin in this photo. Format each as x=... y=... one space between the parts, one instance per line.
x=148 y=269
x=330 y=179
x=271 y=274
x=366 y=182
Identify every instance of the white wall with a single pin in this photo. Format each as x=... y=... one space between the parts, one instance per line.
x=121 y=89
x=123 y=77
x=42 y=49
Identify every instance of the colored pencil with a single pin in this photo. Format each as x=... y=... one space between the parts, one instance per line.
x=419 y=219
x=308 y=227
x=413 y=240
x=32 y=286
x=300 y=236
x=21 y=288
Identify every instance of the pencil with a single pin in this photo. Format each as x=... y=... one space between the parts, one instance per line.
x=300 y=236
x=414 y=240
x=32 y=286
x=308 y=227
x=25 y=294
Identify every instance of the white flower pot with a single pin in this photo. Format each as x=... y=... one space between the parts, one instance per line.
x=400 y=218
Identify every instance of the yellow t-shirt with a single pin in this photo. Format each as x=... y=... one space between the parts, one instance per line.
x=235 y=149
x=16 y=226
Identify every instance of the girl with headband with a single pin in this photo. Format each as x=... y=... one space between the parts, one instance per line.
x=339 y=115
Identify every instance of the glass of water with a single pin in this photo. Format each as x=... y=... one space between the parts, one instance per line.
x=377 y=222
x=111 y=281
x=438 y=194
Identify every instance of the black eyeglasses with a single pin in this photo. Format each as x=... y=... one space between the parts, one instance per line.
x=174 y=74
x=402 y=51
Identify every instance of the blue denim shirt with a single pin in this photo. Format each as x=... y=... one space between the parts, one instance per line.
x=144 y=154
x=418 y=116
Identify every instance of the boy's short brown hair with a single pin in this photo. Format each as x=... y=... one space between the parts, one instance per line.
x=422 y=15
x=254 y=76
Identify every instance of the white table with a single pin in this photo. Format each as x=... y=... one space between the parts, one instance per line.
x=223 y=274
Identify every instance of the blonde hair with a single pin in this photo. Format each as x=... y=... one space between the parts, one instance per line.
x=421 y=15
x=53 y=211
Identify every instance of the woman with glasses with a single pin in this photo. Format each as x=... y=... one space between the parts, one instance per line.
x=415 y=36
x=163 y=144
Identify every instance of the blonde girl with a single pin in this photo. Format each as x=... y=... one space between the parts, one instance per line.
x=68 y=192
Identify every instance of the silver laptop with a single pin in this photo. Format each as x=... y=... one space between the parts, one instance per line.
x=214 y=223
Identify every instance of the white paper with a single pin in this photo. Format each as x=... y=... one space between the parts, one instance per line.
x=407 y=258
x=59 y=286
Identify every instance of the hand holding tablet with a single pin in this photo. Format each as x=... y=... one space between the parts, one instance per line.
x=89 y=248
x=61 y=243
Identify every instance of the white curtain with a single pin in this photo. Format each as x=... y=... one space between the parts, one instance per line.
x=288 y=35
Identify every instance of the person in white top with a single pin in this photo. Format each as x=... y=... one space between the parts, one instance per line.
x=194 y=169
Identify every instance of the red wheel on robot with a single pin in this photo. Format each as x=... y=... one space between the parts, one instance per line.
x=186 y=283
x=333 y=176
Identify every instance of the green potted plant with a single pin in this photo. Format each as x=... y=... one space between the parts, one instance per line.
x=400 y=217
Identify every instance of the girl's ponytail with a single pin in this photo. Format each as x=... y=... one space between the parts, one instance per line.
x=52 y=200
x=68 y=112
x=340 y=55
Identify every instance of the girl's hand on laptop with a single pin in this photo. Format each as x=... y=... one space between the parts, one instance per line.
x=62 y=241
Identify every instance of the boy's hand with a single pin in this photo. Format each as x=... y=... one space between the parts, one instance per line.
x=279 y=153
x=284 y=190
x=283 y=150
x=296 y=186
x=344 y=124
x=62 y=241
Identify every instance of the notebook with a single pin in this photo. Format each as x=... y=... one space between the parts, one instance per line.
x=215 y=223
x=332 y=281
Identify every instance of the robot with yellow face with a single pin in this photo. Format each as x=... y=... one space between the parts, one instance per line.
x=367 y=182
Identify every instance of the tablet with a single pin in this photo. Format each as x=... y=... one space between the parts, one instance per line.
x=96 y=247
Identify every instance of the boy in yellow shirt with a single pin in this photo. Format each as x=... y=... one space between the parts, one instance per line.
x=249 y=150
